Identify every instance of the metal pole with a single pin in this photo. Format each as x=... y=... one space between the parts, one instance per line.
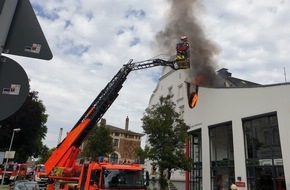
x=59 y=136
x=285 y=75
x=5 y=166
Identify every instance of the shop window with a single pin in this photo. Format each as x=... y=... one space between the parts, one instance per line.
x=275 y=137
x=267 y=139
x=221 y=156
x=196 y=155
x=264 y=161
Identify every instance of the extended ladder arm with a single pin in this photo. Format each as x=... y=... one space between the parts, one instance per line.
x=153 y=63
x=67 y=151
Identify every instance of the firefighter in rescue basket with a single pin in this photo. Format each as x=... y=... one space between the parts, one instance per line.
x=182 y=53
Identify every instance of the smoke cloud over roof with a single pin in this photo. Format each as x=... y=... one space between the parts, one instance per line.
x=182 y=19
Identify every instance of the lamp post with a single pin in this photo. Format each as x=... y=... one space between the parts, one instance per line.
x=5 y=166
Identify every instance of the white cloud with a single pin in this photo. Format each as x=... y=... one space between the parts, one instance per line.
x=253 y=37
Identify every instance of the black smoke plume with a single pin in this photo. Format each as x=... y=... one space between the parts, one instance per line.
x=182 y=19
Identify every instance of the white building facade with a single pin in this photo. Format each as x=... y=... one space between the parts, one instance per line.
x=237 y=135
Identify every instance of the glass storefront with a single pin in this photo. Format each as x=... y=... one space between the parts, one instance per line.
x=195 y=154
x=221 y=156
x=263 y=155
x=264 y=161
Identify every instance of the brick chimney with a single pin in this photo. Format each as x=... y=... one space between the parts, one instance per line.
x=127 y=124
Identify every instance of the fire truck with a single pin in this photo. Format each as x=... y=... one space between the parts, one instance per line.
x=98 y=176
x=39 y=175
x=14 y=171
x=65 y=173
x=19 y=172
x=8 y=172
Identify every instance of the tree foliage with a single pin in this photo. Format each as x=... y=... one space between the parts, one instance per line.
x=98 y=143
x=167 y=135
x=142 y=154
x=31 y=119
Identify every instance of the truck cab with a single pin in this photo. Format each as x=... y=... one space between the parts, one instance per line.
x=100 y=176
x=40 y=175
x=116 y=176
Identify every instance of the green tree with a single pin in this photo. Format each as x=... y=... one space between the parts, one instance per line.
x=142 y=154
x=167 y=135
x=98 y=143
x=31 y=119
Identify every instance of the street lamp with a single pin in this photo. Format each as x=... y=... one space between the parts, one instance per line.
x=5 y=166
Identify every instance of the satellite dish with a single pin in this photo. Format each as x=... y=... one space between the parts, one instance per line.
x=14 y=87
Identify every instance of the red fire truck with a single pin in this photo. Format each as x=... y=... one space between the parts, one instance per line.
x=14 y=171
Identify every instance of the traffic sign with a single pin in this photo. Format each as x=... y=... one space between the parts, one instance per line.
x=14 y=87
x=20 y=34
x=9 y=154
x=25 y=37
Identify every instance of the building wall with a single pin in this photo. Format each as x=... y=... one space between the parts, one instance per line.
x=171 y=82
x=127 y=147
x=233 y=104
x=219 y=105
x=128 y=142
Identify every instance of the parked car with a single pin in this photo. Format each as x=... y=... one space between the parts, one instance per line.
x=24 y=185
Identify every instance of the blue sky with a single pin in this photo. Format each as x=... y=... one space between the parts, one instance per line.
x=91 y=40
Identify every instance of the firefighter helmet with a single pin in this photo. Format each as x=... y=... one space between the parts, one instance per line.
x=183 y=38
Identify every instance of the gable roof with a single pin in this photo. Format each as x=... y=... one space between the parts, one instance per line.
x=120 y=130
x=228 y=81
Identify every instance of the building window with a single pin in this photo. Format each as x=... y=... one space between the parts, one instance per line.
x=180 y=92
x=116 y=142
x=114 y=158
x=170 y=90
x=221 y=156
x=267 y=139
x=275 y=137
x=117 y=134
x=195 y=154
x=264 y=162
x=181 y=111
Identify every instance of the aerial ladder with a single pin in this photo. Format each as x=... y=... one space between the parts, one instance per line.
x=67 y=151
x=61 y=164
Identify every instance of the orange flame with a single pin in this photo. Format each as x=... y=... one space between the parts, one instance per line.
x=193 y=100
x=199 y=80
